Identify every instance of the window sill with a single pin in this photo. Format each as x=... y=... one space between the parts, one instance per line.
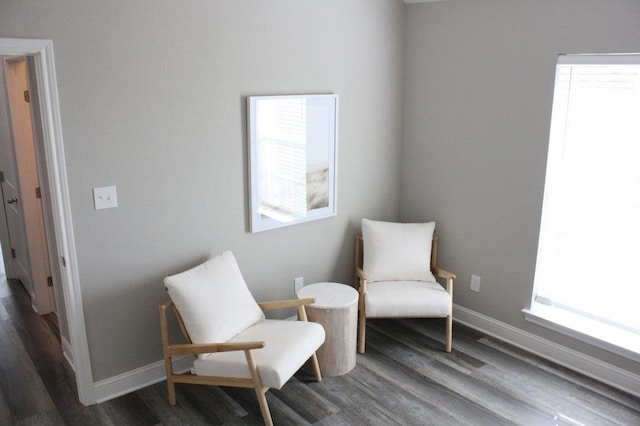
x=603 y=336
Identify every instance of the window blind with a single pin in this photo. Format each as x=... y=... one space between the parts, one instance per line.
x=589 y=246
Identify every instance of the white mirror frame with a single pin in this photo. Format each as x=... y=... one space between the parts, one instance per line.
x=283 y=129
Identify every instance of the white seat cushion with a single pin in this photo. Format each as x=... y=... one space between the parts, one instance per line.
x=213 y=300
x=288 y=344
x=406 y=299
x=397 y=251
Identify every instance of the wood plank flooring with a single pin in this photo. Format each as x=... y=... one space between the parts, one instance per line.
x=405 y=378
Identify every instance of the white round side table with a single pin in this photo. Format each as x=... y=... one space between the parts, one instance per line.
x=336 y=309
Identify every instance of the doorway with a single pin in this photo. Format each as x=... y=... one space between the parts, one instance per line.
x=25 y=234
x=55 y=186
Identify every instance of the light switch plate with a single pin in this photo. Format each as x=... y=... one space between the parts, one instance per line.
x=105 y=197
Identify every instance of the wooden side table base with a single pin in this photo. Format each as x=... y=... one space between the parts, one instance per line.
x=336 y=309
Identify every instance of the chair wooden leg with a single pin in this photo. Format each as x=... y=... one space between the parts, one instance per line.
x=264 y=407
x=316 y=367
x=449 y=332
x=260 y=391
x=362 y=325
x=168 y=363
x=171 y=389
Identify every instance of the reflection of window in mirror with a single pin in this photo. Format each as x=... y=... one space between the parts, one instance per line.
x=282 y=164
x=293 y=154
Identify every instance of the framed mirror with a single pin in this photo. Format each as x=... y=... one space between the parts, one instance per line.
x=292 y=159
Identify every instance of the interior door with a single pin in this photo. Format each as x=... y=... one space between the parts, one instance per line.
x=28 y=202
x=15 y=243
x=17 y=240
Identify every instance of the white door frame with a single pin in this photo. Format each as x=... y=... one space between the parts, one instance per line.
x=42 y=52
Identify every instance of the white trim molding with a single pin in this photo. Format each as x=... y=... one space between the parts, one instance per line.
x=596 y=333
x=139 y=378
x=67 y=352
x=569 y=358
x=42 y=53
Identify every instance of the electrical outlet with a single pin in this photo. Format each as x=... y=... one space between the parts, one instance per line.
x=475 y=283
x=105 y=197
x=298 y=283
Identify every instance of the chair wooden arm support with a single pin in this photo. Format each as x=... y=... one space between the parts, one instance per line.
x=361 y=286
x=441 y=273
x=204 y=348
x=289 y=303
x=361 y=280
x=449 y=276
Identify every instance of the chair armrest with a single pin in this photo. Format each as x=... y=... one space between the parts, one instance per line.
x=361 y=281
x=289 y=303
x=449 y=276
x=204 y=348
x=441 y=273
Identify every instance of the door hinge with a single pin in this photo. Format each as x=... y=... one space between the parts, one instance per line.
x=64 y=262
x=1 y=176
x=38 y=193
x=13 y=253
x=50 y=281
x=27 y=97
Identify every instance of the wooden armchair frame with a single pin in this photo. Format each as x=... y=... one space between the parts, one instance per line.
x=173 y=350
x=360 y=284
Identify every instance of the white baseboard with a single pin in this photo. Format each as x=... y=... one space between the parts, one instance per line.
x=627 y=381
x=139 y=378
x=67 y=352
x=574 y=360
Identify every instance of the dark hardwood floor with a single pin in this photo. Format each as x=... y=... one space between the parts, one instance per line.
x=405 y=378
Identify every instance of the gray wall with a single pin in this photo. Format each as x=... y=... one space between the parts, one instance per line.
x=152 y=101
x=478 y=91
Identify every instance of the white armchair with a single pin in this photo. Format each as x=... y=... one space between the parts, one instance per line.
x=227 y=331
x=396 y=275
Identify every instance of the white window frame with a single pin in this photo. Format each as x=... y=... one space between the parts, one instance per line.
x=543 y=312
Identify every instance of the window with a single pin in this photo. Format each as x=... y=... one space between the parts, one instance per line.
x=587 y=281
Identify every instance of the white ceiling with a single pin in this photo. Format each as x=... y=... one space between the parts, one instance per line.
x=420 y=1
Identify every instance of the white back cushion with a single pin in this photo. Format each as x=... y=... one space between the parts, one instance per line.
x=213 y=300
x=397 y=251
